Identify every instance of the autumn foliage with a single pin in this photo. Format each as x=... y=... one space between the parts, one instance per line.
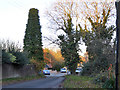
x=52 y=57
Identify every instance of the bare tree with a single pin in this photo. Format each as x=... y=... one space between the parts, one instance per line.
x=97 y=12
x=74 y=17
x=83 y=14
x=64 y=17
x=97 y=34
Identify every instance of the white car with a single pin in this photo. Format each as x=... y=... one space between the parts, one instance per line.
x=63 y=70
x=78 y=70
x=46 y=72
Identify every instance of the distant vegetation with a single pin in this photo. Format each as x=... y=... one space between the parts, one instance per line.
x=54 y=58
x=12 y=53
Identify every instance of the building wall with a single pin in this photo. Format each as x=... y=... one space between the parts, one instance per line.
x=10 y=70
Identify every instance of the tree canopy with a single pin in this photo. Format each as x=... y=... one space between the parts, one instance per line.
x=62 y=16
x=33 y=36
x=33 y=40
x=98 y=37
x=87 y=21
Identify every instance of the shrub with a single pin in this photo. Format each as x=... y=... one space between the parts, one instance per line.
x=87 y=69
x=7 y=57
x=21 y=58
x=39 y=65
x=100 y=78
x=110 y=83
x=106 y=78
x=11 y=53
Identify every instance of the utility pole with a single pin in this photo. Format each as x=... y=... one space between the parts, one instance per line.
x=117 y=4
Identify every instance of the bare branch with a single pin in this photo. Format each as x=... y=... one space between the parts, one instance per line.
x=53 y=41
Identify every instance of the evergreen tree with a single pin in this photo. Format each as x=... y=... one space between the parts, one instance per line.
x=33 y=36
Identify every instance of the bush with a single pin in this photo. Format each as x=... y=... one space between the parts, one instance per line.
x=94 y=67
x=87 y=69
x=39 y=65
x=11 y=53
x=100 y=79
x=110 y=83
x=7 y=57
x=104 y=79
x=21 y=58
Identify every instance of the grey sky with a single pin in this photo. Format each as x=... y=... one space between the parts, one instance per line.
x=14 y=15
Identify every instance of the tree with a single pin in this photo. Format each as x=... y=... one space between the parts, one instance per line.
x=33 y=37
x=7 y=57
x=53 y=58
x=62 y=19
x=12 y=54
x=98 y=38
x=98 y=12
x=58 y=56
x=57 y=65
x=48 y=57
x=21 y=58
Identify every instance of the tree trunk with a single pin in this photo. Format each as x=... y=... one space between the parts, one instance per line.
x=73 y=72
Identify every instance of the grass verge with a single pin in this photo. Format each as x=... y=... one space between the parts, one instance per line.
x=7 y=81
x=73 y=81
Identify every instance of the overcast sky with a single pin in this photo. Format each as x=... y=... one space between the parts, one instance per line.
x=14 y=16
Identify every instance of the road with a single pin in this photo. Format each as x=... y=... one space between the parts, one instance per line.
x=52 y=81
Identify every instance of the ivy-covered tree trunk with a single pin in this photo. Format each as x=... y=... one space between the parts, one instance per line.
x=69 y=46
x=33 y=37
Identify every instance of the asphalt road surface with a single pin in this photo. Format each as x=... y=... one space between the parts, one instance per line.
x=52 y=81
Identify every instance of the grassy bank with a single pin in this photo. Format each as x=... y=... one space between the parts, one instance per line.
x=73 y=81
x=7 y=81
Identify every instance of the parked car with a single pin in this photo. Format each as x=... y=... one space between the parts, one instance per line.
x=46 y=72
x=78 y=70
x=63 y=70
